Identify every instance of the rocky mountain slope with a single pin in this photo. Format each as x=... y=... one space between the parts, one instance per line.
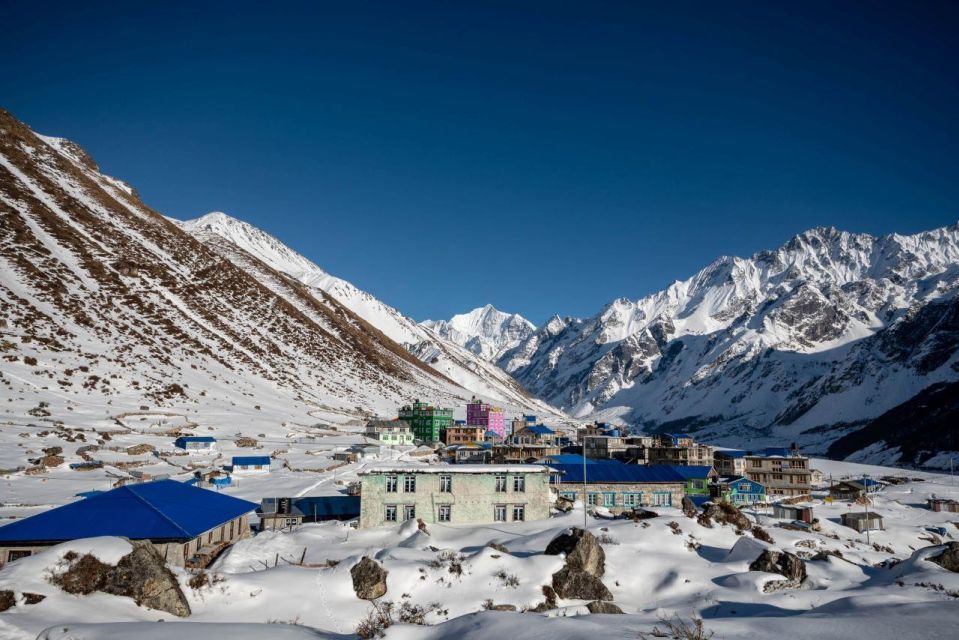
x=249 y=247
x=808 y=342
x=485 y=331
x=107 y=306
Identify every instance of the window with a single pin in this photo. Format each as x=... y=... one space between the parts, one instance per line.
x=592 y=499
x=444 y=513
x=446 y=484
x=519 y=513
x=569 y=495
x=391 y=484
x=501 y=484
x=519 y=483
x=232 y=522
x=16 y=554
x=409 y=484
x=390 y=513
x=662 y=499
x=499 y=513
x=409 y=512
x=609 y=499
x=632 y=499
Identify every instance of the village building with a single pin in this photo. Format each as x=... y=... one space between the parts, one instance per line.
x=391 y=433
x=781 y=470
x=862 y=521
x=534 y=434
x=189 y=526
x=738 y=491
x=426 y=421
x=943 y=504
x=453 y=494
x=507 y=453
x=793 y=512
x=852 y=490
x=196 y=444
x=730 y=462
x=474 y=453
x=673 y=449
x=481 y=414
x=619 y=487
x=284 y=513
x=521 y=423
x=251 y=465
x=464 y=434
x=603 y=446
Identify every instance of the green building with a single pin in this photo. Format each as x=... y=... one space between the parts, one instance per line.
x=426 y=421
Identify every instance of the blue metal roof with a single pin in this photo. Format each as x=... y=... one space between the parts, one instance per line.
x=731 y=453
x=541 y=429
x=699 y=501
x=624 y=473
x=690 y=472
x=195 y=439
x=575 y=458
x=160 y=510
x=251 y=460
x=322 y=506
x=776 y=451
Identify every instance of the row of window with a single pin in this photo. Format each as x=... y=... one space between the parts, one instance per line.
x=628 y=499
x=444 y=512
x=446 y=484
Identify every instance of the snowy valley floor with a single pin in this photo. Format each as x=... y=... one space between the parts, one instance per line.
x=651 y=571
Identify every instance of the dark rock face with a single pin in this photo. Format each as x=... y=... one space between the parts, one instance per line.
x=583 y=551
x=7 y=600
x=689 y=509
x=949 y=558
x=788 y=565
x=599 y=606
x=141 y=575
x=33 y=598
x=579 y=585
x=369 y=579
x=725 y=513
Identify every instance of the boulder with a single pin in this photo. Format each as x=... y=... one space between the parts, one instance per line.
x=497 y=547
x=583 y=552
x=786 y=564
x=949 y=558
x=600 y=606
x=33 y=598
x=574 y=584
x=143 y=575
x=689 y=509
x=564 y=505
x=725 y=513
x=53 y=451
x=7 y=600
x=503 y=607
x=369 y=579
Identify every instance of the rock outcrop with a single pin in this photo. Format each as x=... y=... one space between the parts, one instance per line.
x=369 y=579
x=141 y=575
x=949 y=558
x=599 y=606
x=786 y=564
x=585 y=565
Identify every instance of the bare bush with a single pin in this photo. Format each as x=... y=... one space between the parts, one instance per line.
x=679 y=629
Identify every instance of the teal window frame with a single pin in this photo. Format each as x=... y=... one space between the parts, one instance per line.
x=609 y=498
x=568 y=495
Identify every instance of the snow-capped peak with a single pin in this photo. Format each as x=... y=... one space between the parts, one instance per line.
x=485 y=331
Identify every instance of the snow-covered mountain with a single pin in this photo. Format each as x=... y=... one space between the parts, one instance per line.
x=107 y=307
x=807 y=342
x=238 y=241
x=485 y=331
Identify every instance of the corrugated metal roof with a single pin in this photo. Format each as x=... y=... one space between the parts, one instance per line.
x=731 y=453
x=622 y=473
x=161 y=510
x=246 y=460
x=541 y=429
x=195 y=439
x=690 y=472
x=321 y=506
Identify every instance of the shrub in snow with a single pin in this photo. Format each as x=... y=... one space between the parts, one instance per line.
x=679 y=629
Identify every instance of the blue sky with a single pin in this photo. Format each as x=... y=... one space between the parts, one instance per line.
x=543 y=157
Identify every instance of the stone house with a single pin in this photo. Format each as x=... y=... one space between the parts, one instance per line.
x=389 y=432
x=188 y=525
x=453 y=494
x=619 y=487
x=464 y=434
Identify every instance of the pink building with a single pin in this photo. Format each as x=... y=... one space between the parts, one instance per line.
x=480 y=414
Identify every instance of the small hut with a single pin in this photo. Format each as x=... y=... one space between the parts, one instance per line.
x=862 y=521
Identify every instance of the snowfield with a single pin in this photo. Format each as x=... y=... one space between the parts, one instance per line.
x=662 y=567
